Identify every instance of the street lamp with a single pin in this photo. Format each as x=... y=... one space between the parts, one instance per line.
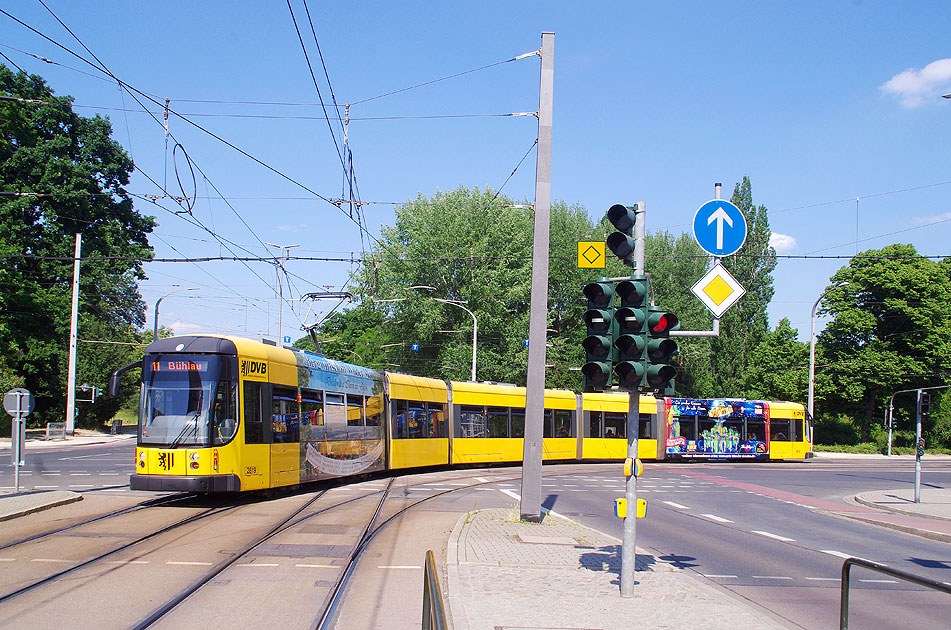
x=475 y=331
x=812 y=344
x=159 y=301
x=475 y=322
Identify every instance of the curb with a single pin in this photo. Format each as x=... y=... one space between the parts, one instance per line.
x=907 y=529
x=71 y=498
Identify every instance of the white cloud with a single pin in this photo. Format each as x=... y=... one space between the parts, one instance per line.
x=300 y=227
x=782 y=242
x=914 y=87
x=183 y=328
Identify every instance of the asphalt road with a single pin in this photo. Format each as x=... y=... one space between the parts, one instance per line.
x=738 y=527
x=79 y=469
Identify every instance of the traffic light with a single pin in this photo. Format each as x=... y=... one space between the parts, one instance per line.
x=631 y=341
x=925 y=403
x=660 y=348
x=621 y=242
x=599 y=343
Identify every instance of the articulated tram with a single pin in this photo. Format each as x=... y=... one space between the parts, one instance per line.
x=227 y=414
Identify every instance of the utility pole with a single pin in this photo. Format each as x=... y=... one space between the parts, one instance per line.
x=531 y=494
x=278 y=268
x=73 y=338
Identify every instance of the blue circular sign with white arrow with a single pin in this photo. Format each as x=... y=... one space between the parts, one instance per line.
x=719 y=227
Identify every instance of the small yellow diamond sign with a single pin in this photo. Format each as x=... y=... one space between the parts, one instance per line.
x=591 y=254
x=718 y=290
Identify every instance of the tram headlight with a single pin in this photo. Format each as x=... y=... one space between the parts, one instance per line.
x=193 y=457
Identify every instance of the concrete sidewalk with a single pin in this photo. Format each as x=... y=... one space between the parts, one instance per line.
x=82 y=437
x=505 y=573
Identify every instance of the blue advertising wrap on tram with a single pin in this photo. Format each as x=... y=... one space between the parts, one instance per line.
x=717 y=428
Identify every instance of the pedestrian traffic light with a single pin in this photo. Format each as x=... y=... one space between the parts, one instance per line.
x=600 y=329
x=660 y=348
x=631 y=319
x=925 y=403
x=622 y=243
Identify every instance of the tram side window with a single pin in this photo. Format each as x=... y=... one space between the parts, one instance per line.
x=375 y=410
x=437 y=415
x=755 y=430
x=253 y=419
x=416 y=419
x=686 y=427
x=614 y=424
x=311 y=408
x=355 y=417
x=557 y=423
x=285 y=415
x=472 y=422
x=735 y=427
x=498 y=422
x=779 y=430
x=644 y=427
x=518 y=422
x=225 y=413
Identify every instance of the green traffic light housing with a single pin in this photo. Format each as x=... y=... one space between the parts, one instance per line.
x=622 y=243
x=633 y=292
x=660 y=349
x=600 y=294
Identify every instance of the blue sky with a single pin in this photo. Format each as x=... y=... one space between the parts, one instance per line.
x=820 y=103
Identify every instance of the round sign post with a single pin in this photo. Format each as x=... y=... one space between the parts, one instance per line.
x=18 y=402
x=719 y=227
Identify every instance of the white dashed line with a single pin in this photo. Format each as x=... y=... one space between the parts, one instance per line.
x=818 y=579
x=317 y=566
x=59 y=560
x=770 y=577
x=676 y=505
x=879 y=581
x=482 y=480
x=774 y=536
x=718 y=519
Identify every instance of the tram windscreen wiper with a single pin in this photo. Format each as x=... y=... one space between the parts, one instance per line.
x=184 y=432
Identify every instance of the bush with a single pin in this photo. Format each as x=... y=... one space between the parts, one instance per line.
x=837 y=430
x=868 y=448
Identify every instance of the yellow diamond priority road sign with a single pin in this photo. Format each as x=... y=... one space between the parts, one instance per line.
x=591 y=254
x=718 y=290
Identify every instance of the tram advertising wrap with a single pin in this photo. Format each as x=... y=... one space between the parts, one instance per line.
x=717 y=429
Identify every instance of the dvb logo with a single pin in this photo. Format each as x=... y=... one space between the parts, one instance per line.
x=254 y=370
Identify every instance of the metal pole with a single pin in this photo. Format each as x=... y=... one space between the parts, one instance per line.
x=531 y=494
x=629 y=539
x=73 y=337
x=17 y=442
x=640 y=236
x=155 y=314
x=812 y=346
x=917 y=450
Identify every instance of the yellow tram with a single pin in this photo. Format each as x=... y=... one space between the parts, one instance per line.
x=227 y=414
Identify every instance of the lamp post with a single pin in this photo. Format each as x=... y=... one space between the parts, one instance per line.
x=475 y=331
x=459 y=303
x=812 y=344
x=159 y=301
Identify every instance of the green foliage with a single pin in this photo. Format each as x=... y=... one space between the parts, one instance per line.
x=835 y=430
x=891 y=331
x=778 y=367
x=354 y=336
x=745 y=325
x=78 y=174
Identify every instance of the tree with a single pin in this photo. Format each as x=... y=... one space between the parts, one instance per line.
x=891 y=330
x=355 y=336
x=474 y=246
x=64 y=175
x=745 y=325
x=778 y=367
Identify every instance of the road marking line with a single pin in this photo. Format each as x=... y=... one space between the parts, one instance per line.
x=880 y=581
x=7 y=559
x=482 y=480
x=774 y=536
x=817 y=579
x=190 y=564
x=60 y=560
x=510 y=493
x=718 y=519
x=711 y=575
x=676 y=505
x=837 y=554
x=399 y=566
x=317 y=566
x=770 y=577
